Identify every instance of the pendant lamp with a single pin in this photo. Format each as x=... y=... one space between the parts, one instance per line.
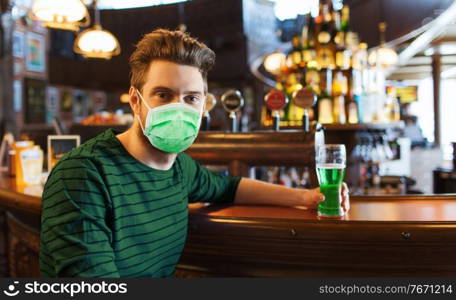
x=383 y=56
x=59 y=14
x=96 y=42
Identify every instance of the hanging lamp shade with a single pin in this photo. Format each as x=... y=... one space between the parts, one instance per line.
x=383 y=56
x=66 y=15
x=96 y=42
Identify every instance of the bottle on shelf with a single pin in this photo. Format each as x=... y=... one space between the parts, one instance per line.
x=359 y=60
x=353 y=91
x=352 y=112
x=308 y=43
x=340 y=90
x=294 y=58
x=343 y=53
x=326 y=45
x=325 y=49
x=392 y=107
x=305 y=179
x=325 y=103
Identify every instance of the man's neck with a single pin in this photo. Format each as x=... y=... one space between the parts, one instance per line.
x=137 y=144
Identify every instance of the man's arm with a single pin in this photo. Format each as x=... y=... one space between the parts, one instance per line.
x=254 y=192
x=207 y=186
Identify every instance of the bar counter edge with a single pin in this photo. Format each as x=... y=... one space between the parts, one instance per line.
x=236 y=241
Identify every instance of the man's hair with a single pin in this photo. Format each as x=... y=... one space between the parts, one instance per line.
x=174 y=46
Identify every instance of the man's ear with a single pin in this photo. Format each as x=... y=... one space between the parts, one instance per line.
x=135 y=102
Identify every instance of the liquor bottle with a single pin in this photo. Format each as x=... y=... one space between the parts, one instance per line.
x=308 y=42
x=392 y=109
x=350 y=38
x=319 y=18
x=353 y=97
x=325 y=103
x=325 y=57
x=293 y=114
x=352 y=109
x=339 y=115
x=324 y=20
x=296 y=53
x=360 y=57
x=396 y=110
x=305 y=179
x=345 y=19
x=293 y=57
x=343 y=57
x=340 y=89
x=325 y=47
x=312 y=78
x=340 y=83
x=343 y=54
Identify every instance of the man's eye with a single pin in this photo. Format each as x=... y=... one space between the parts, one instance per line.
x=192 y=99
x=164 y=95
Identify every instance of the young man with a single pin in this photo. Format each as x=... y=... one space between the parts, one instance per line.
x=117 y=205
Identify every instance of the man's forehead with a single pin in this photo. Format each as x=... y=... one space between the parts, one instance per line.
x=173 y=76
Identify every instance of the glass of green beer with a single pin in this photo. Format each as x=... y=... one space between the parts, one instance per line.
x=330 y=162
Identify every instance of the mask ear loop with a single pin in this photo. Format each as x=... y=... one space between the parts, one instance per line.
x=139 y=118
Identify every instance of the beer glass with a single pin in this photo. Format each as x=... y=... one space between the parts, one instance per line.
x=330 y=162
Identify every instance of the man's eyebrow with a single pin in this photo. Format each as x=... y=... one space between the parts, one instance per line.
x=169 y=90
x=161 y=88
x=194 y=92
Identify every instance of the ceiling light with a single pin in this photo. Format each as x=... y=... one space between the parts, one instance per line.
x=66 y=15
x=384 y=56
x=96 y=42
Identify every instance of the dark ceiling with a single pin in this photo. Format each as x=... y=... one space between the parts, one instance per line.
x=401 y=16
x=220 y=25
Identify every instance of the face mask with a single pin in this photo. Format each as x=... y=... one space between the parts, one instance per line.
x=172 y=127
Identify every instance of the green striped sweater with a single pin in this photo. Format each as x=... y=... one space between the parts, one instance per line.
x=105 y=214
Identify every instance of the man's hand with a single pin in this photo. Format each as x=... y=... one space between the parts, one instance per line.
x=255 y=192
x=345 y=198
x=313 y=197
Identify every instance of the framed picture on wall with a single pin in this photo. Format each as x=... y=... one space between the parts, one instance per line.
x=35 y=58
x=35 y=101
x=18 y=44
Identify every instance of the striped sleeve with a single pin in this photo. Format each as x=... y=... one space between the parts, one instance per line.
x=204 y=185
x=75 y=238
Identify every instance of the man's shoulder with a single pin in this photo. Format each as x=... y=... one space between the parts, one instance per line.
x=185 y=160
x=90 y=156
x=101 y=146
x=182 y=156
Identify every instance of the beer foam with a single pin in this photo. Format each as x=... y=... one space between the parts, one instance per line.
x=331 y=166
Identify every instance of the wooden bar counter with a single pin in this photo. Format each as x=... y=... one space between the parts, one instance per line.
x=381 y=236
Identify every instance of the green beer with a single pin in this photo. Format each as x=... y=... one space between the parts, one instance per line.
x=330 y=177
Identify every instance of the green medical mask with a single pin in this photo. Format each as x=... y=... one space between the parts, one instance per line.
x=171 y=127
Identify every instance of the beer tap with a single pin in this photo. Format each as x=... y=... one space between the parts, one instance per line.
x=211 y=101
x=276 y=101
x=305 y=98
x=232 y=101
